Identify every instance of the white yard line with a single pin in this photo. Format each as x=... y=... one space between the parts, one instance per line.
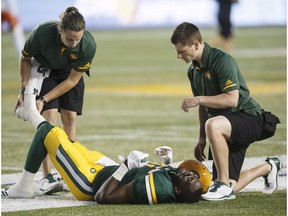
x=259 y=52
x=67 y=200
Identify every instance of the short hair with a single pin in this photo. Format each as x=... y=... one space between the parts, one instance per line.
x=186 y=34
x=72 y=20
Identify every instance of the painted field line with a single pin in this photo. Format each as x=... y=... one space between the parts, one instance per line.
x=259 y=52
x=263 y=88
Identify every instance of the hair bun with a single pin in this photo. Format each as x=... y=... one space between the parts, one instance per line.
x=72 y=9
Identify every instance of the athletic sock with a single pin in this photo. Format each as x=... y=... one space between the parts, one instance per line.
x=24 y=187
x=33 y=116
x=26 y=178
x=28 y=111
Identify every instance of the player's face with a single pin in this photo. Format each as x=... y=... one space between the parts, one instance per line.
x=186 y=53
x=71 y=38
x=188 y=179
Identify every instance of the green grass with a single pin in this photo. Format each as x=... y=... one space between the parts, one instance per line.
x=123 y=110
x=246 y=204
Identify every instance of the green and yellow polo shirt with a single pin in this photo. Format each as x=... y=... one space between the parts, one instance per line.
x=44 y=44
x=217 y=74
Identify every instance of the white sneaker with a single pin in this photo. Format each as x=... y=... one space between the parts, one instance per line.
x=64 y=185
x=219 y=191
x=271 y=179
x=18 y=192
x=49 y=185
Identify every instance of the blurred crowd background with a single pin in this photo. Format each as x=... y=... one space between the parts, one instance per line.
x=109 y=14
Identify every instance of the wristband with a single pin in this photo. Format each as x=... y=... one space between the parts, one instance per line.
x=43 y=100
x=120 y=172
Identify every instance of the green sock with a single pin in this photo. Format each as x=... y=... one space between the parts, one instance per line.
x=37 y=151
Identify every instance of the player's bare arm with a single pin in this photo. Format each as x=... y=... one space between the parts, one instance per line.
x=221 y=101
x=112 y=193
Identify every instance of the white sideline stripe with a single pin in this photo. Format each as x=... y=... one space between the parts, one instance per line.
x=168 y=135
x=67 y=199
x=166 y=34
x=259 y=52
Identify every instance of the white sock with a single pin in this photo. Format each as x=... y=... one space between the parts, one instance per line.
x=28 y=111
x=24 y=187
x=26 y=178
x=33 y=116
x=31 y=87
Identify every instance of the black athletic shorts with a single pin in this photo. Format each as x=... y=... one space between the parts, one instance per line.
x=72 y=100
x=246 y=129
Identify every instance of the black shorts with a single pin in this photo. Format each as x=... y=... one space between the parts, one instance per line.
x=72 y=100
x=246 y=129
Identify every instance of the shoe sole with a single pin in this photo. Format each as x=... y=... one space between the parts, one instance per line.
x=278 y=167
x=230 y=197
x=57 y=188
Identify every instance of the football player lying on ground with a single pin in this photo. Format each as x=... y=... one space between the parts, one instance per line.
x=92 y=176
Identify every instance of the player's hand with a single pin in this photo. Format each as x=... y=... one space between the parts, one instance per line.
x=189 y=103
x=136 y=159
x=166 y=153
x=199 y=150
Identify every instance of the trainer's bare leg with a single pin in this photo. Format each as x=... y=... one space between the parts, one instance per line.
x=250 y=175
x=68 y=119
x=218 y=130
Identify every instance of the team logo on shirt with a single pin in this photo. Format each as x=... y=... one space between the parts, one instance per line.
x=207 y=75
x=229 y=84
x=73 y=56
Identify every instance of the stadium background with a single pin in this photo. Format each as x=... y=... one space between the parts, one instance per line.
x=152 y=13
x=133 y=98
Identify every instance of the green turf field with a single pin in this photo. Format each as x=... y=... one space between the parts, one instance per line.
x=132 y=101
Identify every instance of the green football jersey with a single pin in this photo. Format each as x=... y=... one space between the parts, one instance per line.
x=152 y=183
x=44 y=44
x=219 y=73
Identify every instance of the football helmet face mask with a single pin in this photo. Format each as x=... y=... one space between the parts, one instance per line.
x=201 y=171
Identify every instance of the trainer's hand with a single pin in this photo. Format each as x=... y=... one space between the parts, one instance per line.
x=166 y=153
x=39 y=105
x=136 y=159
x=19 y=102
x=199 y=150
x=189 y=103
